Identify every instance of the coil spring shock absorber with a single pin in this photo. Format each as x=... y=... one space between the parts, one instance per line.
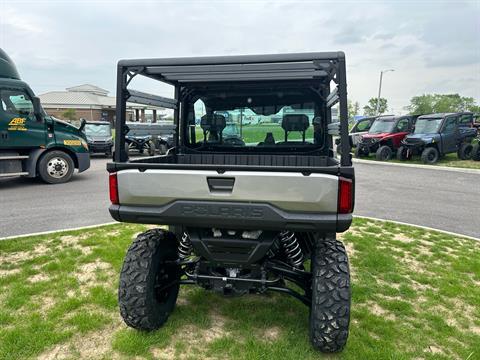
x=184 y=247
x=292 y=248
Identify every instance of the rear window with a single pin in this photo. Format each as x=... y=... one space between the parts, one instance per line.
x=261 y=120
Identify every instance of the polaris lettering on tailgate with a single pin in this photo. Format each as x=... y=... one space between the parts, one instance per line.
x=226 y=211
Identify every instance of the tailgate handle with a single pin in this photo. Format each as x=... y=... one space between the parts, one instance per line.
x=217 y=184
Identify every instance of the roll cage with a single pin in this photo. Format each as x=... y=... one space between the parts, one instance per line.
x=191 y=76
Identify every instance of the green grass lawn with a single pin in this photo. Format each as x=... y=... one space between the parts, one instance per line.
x=450 y=160
x=416 y=294
x=256 y=133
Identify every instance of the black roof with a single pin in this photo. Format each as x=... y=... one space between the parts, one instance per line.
x=297 y=66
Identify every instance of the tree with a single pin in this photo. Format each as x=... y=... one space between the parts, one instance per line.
x=70 y=114
x=371 y=108
x=353 y=108
x=438 y=103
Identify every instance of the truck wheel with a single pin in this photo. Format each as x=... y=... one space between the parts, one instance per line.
x=465 y=151
x=56 y=167
x=430 y=155
x=151 y=149
x=330 y=312
x=144 y=305
x=383 y=153
x=361 y=152
x=402 y=153
x=476 y=152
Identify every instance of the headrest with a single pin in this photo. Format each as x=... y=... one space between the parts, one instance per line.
x=213 y=122
x=295 y=122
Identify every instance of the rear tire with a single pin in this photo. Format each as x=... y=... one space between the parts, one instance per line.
x=330 y=312
x=383 y=153
x=465 y=151
x=476 y=152
x=430 y=155
x=142 y=306
x=56 y=167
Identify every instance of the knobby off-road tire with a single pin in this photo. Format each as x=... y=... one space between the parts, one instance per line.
x=465 y=151
x=476 y=152
x=55 y=167
x=383 y=153
x=430 y=155
x=142 y=306
x=330 y=312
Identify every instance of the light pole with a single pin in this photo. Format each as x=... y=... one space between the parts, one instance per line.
x=380 y=89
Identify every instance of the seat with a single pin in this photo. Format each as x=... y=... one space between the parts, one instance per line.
x=213 y=126
x=295 y=122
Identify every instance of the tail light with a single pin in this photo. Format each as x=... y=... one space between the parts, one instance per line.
x=113 y=186
x=345 y=195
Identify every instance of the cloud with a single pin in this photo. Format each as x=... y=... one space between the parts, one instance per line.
x=65 y=43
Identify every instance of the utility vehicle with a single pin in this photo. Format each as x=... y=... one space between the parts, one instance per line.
x=99 y=137
x=33 y=143
x=360 y=128
x=438 y=134
x=385 y=136
x=245 y=217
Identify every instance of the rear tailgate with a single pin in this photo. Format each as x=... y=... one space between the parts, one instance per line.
x=237 y=199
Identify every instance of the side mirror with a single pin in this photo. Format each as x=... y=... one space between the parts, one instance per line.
x=37 y=108
x=83 y=122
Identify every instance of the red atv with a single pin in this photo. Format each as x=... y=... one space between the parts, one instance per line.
x=385 y=136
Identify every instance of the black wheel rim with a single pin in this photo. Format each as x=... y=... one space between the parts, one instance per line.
x=164 y=282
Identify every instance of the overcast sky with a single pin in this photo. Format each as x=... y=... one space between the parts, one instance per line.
x=433 y=46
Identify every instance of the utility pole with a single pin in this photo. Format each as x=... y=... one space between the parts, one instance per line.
x=380 y=90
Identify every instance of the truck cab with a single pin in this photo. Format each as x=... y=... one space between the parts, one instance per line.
x=32 y=143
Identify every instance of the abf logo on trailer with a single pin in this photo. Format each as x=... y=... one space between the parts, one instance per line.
x=17 y=124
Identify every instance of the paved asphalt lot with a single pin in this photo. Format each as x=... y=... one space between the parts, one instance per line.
x=445 y=200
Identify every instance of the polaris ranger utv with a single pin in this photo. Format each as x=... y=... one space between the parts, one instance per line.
x=385 y=136
x=31 y=142
x=249 y=216
x=438 y=134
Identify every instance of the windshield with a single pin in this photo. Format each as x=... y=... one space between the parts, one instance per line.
x=427 y=126
x=97 y=130
x=382 y=126
x=257 y=126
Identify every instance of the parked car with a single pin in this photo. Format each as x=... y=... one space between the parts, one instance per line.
x=244 y=217
x=385 y=136
x=99 y=137
x=438 y=134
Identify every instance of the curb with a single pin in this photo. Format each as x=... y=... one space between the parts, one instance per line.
x=58 y=231
x=419 y=226
x=356 y=216
x=429 y=167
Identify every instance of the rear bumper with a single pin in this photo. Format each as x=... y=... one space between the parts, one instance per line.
x=83 y=161
x=234 y=215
